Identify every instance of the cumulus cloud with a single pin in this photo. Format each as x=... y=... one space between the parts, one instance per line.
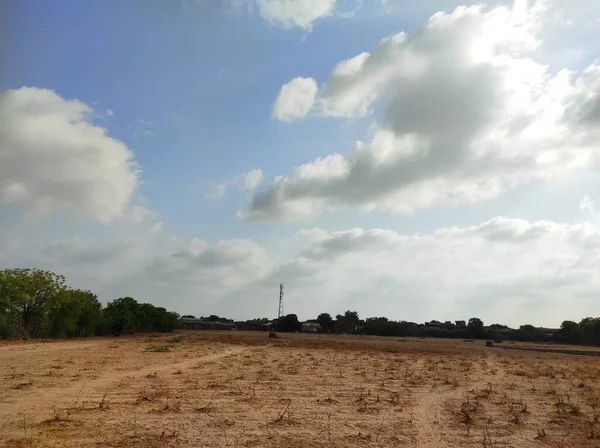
x=498 y=269
x=242 y=182
x=466 y=114
x=218 y=267
x=294 y=13
x=54 y=158
x=295 y=99
x=503 y=270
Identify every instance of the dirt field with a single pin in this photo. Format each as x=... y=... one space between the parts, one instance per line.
x=239 y=389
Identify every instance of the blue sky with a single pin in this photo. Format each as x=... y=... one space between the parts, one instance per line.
x=191 y=90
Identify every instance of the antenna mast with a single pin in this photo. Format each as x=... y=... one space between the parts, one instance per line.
x=280 y=312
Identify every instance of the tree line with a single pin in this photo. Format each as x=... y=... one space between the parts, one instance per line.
x=35 y=303
x=586 y=332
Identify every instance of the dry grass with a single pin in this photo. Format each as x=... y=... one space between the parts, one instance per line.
x=248 y=390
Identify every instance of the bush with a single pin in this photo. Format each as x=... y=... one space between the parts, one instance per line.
x=159 y=348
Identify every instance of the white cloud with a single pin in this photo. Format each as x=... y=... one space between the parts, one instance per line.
x=251 y=179
x=295 y=13
x=295 y=99
x=217 y=191
x=137 y=214
x=217 y=268
x=244 y=182
x=53 y=158
x=467 y=113
x=500 y=270
x=157 y=227
x=589 y=205
x=503 y=270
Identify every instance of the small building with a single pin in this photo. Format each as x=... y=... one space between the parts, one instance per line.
x=189 y=323
x=311 y=327
x=547 y=332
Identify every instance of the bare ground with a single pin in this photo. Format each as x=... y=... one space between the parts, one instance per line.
x=242 y=389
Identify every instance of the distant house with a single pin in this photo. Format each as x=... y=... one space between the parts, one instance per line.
x=548 y=332
x=311 y=327
x=499 y=330
x=433 y=324
x=251 y=325
x=189 y=323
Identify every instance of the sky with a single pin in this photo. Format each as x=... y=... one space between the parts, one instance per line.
x=409 y=159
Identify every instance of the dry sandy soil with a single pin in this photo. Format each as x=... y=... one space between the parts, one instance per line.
x=239 y=389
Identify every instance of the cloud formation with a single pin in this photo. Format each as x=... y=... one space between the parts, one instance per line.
x=295 y=13
x=503 y=270
x=54 y=158
x=295 y=99
x=242 y=182
x=464 y=113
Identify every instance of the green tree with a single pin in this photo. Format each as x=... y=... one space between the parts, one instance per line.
x=326 y=321
x=352 y=320
x=165 y=321
x=590 y=329
x=475 y=327
x=122 y=315
x=289 y=323
x=382 y=326
x=75 y=313
x=29 y=295
x=569 y=333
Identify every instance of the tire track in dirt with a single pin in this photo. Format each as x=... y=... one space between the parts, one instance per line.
x=46 y=399
x=429 y=405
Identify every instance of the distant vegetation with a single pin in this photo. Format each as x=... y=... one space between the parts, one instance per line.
x=587 y=332
x=38 y=304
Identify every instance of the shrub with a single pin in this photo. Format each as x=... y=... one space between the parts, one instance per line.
x=158 y=348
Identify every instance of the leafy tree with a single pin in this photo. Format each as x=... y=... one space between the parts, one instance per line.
x=76 y=313
x=590 y=329
x=448 y=325
x=475 y=327
x=289 y=323
x=569 y=333
x=165 y=321
x=529 y=333
x=326 y=321
x=29 y=295
x=348 y=322
x=122 y=315
x=37 y=303
x=382 y=326
x=352 y=320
